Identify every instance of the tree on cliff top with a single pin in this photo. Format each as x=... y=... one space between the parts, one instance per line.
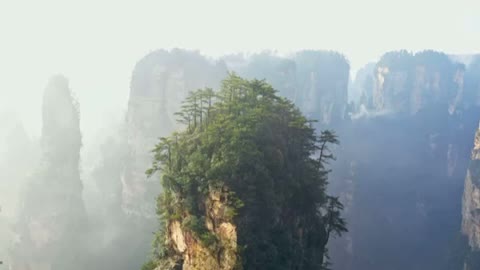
x=265 y=158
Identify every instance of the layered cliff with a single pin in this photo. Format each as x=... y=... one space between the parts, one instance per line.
x=472 y=83
x=408 y=83
x=322 y=80
x=160 y=81
x=216 y=248
x=360 y=90
x=125 y=218
x=316 y=81
x=410 y=146
x=471 y=210
x=471 y=198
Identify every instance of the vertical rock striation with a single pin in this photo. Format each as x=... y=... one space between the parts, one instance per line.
x=410 y=146
x=408 y=83
x=317 y=81
x=471 y=210
x=160 y=82
x=471 y=198
x=322 y=79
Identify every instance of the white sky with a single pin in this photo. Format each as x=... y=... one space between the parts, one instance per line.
x=96 y=43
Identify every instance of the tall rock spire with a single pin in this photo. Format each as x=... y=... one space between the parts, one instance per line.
x=160 y=82
x=471 y=209
x=52 y=219
x=471 y=198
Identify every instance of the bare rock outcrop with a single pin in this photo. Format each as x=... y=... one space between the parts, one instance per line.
x=195 y=254
x=471 y=198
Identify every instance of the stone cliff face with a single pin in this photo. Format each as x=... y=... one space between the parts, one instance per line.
x=193 y=254
x=160 y=82
x=52 y=214
x=361 y=90
x=278 y=71
x=389 y=197
x=316 y=81
x=341 y=249
x=472 y=83
x=421 y=112
x=471 y=198
x=323 y=81
x=408 y=83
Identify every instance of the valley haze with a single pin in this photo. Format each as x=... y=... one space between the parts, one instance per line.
x=230 y=135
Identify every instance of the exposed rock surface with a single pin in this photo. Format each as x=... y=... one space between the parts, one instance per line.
x=160 y=82
x=471 y=198
x=322 y=79
x=410 y=143
x=406 y=82
x=196 y=255
x=360 y=91
x=316 y=81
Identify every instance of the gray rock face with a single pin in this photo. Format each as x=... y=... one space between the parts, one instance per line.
x=406 y=82
x=160 y=82
x=52 y=215
x=471 y=198
x=411 y=145
x=322 y=79
x=316 y=81
x=360 y=91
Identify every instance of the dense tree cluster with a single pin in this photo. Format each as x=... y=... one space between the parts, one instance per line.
x=268 y=162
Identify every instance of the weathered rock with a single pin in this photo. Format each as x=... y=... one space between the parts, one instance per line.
x=195 y=254
x=472 y=83
x=317 y=81
x=411 y=149
x=471 y=198
x=160 y=82
x=361 y=90
x=407 y=82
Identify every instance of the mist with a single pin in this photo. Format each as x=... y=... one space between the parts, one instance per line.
x=88 y=89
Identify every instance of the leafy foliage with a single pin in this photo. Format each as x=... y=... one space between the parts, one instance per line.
x=270 y=166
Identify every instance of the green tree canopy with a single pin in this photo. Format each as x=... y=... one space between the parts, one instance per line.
x=268 y=162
